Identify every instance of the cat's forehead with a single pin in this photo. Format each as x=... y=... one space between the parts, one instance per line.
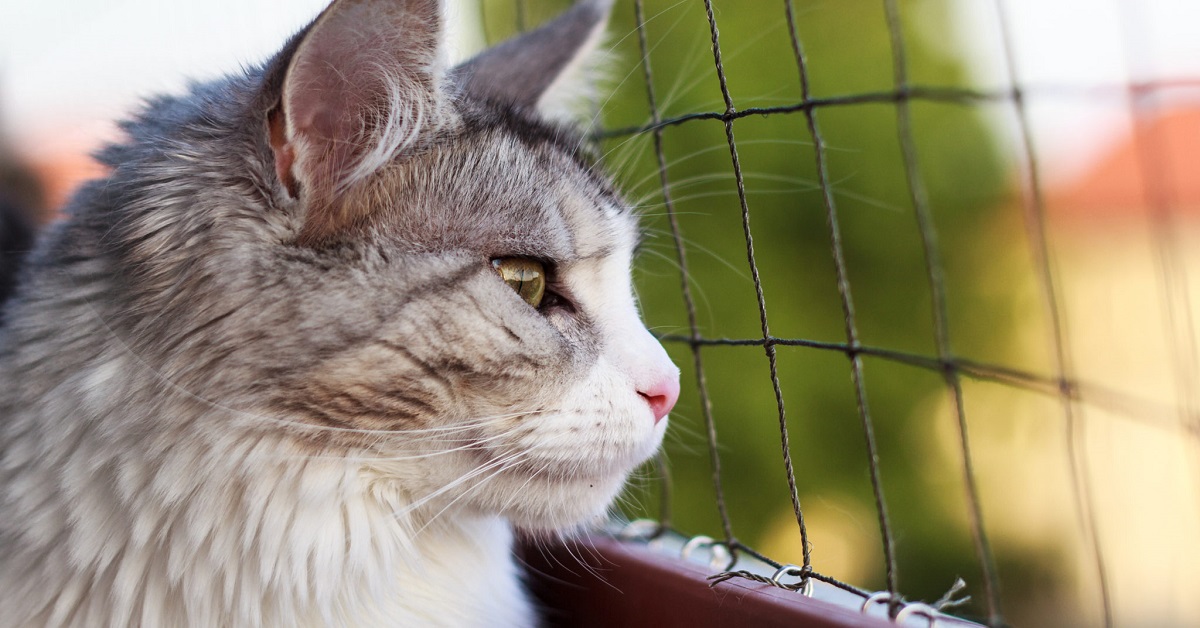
x=501 y=190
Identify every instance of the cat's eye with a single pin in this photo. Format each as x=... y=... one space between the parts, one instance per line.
x=526 y=276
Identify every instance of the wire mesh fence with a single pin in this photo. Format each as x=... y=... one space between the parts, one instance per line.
x=915 y=345
x=931 y=122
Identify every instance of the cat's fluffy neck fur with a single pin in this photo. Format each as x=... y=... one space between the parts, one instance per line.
x=216 y=526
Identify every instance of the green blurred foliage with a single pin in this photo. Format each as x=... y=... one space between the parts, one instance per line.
x=848 y=49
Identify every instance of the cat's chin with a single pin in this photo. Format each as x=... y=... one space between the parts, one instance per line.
x=542 y=505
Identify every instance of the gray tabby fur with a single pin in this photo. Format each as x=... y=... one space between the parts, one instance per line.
x=206 y=420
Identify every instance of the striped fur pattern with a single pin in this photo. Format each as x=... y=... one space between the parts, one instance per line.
x=210 y=419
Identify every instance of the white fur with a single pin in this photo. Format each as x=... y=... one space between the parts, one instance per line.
x=239 y=531
x=574 y=94
x=412 y=111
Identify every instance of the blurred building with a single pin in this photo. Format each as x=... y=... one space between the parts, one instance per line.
x=1128 y=234
x=1125 y=240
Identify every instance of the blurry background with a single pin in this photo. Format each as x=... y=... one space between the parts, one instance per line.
x=1112 y=89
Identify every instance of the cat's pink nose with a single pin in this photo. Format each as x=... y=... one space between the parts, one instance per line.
x=662 y=396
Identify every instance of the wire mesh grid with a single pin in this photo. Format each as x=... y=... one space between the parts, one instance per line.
x=1060 y=381
x=1081 y=403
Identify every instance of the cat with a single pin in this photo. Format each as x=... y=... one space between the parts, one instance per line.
x=328 y=336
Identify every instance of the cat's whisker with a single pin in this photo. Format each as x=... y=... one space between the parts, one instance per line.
x=641 y=142
x=700 y=77
x=627 y=501
x=680 y=185
x=684 y=436
x=756 y=193
x=668 y=259
x=571 y=546
x=623 y=147
x=417 y=504
x=466 y=444
x=492 y=469
x=519 y=490
x=635 y=69
x=664 y=232
x=464 y=425
x=662 y=330
x=690 y=63
x=587 y=544
x=677 y=185
x=562 y=540
x=654 y=174
x=693 y=245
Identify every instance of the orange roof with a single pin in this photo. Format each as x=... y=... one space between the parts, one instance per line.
x=1159 y=162
x=63 y=172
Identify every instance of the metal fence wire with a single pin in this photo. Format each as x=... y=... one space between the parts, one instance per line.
x=1073 y=396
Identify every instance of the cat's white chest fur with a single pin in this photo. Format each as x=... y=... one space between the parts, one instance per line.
x=458 y=573
x=476 y=565
x=251 y=536
x=456 y=570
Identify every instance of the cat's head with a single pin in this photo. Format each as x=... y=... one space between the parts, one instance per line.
x=401 y=261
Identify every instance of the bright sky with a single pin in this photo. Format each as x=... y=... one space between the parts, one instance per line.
x=1084 y=43
x=66 y=63
x=69 y=67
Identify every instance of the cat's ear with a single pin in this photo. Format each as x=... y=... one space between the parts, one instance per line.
x=356 y=88
x=547 y=69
